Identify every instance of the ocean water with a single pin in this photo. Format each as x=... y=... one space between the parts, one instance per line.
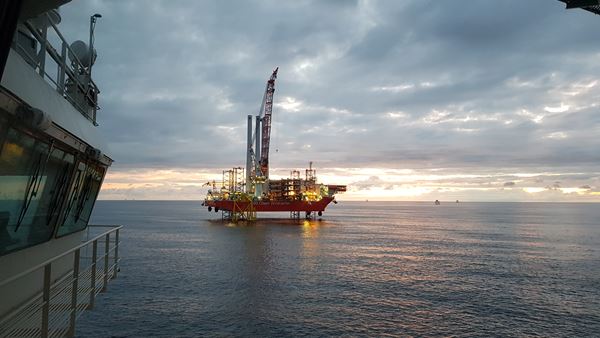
x=365 y=269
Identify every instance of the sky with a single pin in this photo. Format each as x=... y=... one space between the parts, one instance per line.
x=400 y=100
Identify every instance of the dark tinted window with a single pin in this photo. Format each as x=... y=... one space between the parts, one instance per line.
x=82 y=197
x=33 y=177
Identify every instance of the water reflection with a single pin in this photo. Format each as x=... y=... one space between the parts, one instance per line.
x=310 y=228
x=376 y=269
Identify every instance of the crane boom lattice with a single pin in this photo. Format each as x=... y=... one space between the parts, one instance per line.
x=266 y=124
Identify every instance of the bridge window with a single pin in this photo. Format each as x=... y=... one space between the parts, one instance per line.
x=34 y=178
x=82 y=197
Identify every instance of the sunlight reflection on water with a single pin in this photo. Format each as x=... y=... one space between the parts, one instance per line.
x=366 y=269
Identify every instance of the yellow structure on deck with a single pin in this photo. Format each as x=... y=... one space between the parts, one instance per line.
x=243 y=208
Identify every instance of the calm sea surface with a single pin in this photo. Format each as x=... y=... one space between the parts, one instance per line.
x=366 y=269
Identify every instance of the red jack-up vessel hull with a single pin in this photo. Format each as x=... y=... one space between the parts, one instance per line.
x=271 y=206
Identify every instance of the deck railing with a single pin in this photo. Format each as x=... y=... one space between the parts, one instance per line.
x=67 y=69
x=52 y=312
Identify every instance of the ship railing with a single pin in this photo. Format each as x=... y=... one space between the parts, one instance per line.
x=73 y=73
x=52 y=312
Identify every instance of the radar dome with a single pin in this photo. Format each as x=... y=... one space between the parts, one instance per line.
x=81 y=52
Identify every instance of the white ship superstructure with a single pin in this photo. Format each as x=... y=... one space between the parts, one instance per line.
x=52 y=164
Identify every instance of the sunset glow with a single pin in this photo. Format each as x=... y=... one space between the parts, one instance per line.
x=369 y=184
x=396 y=108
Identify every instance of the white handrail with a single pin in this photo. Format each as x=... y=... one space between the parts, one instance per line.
x=43 y=264
x=48 y=312
x=64 y=68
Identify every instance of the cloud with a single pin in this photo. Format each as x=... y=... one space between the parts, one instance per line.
x=371 y=182
x=509 y=184
x=413 y=84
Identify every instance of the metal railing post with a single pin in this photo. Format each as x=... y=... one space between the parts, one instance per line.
x=74 y=293
x=106 y=247
x=46 y=299
x=49 y=312
x=61 y=69
x=116 y=266
x=93 y=274
x=42 y=54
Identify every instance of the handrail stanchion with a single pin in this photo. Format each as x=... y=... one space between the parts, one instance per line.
x=46 y=299
x=93 y=274
x=62 y=70
x=71 y=332
x=49 y=312
x=106 y=244
x=116 y=267
x=41 y=58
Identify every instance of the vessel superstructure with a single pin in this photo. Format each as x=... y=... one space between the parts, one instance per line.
x=53 y=161
x=243 y=192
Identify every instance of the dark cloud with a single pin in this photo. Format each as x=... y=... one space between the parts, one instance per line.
x=554 y=186
x=406 y=84
x=372 y=182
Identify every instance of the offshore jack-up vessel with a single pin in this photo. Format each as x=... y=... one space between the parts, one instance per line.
x=243 y=193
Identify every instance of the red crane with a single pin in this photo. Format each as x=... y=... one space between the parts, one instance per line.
x=267 y=108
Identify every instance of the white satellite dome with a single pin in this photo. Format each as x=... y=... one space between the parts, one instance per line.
x=82 y=52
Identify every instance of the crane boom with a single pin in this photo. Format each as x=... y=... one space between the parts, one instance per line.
x=267 y=109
